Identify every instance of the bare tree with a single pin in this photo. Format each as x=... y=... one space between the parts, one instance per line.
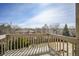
x=5 y=28
x=55 y=28
x=45 y=28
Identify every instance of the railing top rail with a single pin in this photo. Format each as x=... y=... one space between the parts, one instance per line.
x=2 y=37
x=66 y=38
x=34 y=34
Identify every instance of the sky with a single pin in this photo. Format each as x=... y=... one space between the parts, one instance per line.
x=34 y=15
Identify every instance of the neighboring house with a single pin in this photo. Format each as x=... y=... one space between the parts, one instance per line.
x=24 y=31
x=45 y=29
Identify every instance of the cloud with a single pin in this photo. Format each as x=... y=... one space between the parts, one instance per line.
x=48 y=16
x=37 y=15
x=41 y=5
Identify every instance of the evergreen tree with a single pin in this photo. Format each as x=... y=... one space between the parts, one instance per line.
x=66 y=31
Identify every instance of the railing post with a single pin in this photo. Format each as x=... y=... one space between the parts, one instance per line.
x=77 y=30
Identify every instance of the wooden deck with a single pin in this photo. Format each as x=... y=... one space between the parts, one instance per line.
x=35 y=50
x=38 y=44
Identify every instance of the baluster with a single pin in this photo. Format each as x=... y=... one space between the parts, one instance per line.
x=72 y=49
x=33 y=38
x=11 y=42
x=60 y=46
x=20 y=42
x=41 y=42
x=53 y=42
x=31 y=41
x=63 y=47
x=26 y=43
x=17 y=41
x=48 y=40
x=4 y=46
x=52 y=38
x=1 y=47
x=57 y=44
x=67 y=49
x=38 y=43
x=23 y=41
x=8 y=43
x=50 y=43
x=14 y=42
x=35 y=45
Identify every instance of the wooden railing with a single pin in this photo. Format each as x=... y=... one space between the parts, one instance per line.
x=58 y=45
x=62 y=45
x=18 y=41
x=2 y=46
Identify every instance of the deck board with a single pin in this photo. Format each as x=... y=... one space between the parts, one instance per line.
x=29 y=51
